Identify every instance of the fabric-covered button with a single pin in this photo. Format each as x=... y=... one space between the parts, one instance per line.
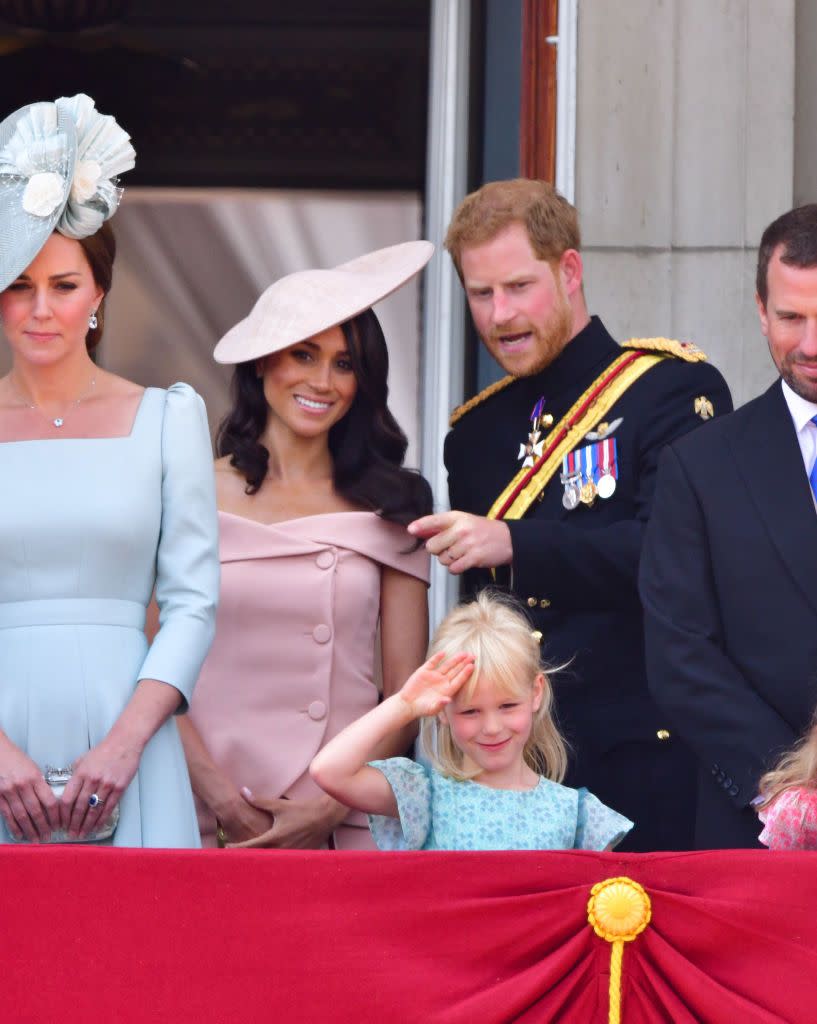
x=321 y=634
x=325 y=560
x=316 y=710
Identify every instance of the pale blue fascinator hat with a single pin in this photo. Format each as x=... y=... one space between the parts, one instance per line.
x=58 y=172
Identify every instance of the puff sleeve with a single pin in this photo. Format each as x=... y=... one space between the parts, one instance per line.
x=187 y=560
x=412 y=791
x=597 y=825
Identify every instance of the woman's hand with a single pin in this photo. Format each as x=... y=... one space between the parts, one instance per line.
x=296 y=824
x=29 y=808
x=241 y=821
x=434 y=684
x=105 y=773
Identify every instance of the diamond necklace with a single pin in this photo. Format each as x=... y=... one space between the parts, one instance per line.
x=57 y=421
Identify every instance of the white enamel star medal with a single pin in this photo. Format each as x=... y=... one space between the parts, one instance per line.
x=532 y=449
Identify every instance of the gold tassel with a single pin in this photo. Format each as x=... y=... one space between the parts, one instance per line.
x=618 y=910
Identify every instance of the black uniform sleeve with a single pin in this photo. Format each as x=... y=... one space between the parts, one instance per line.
x=596 y=569
x=712 y=705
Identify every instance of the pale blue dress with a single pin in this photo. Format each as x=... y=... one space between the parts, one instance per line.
x=87 y=526
x=440 y=813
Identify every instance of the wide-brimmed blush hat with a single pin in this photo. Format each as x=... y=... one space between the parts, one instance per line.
x=305 y=303
x=58 y=172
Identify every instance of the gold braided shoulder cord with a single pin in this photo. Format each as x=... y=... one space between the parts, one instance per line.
x=472 y=403
x=680 y=349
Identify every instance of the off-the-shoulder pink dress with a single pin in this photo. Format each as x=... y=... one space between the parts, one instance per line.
x=293 y=661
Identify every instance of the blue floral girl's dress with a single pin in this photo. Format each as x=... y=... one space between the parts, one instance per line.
x=439 y=813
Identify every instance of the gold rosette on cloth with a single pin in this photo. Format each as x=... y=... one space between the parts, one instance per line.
x=618 y=910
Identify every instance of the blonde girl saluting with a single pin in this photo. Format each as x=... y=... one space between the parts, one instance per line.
x=495 y=755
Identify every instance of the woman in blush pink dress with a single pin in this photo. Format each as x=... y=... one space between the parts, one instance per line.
x=313 y=502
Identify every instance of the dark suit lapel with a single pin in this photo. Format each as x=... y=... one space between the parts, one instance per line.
x=767 y=456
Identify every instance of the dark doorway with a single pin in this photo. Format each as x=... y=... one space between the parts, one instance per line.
x=303 y=93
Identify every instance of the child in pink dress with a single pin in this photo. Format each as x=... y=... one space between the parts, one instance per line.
x=787 y=805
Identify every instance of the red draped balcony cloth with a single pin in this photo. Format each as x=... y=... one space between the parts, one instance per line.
x=457 y=938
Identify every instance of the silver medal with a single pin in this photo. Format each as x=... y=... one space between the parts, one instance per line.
x=572 y=495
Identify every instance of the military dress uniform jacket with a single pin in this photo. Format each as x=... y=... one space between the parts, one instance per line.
x=577 y=572
x=729 y=582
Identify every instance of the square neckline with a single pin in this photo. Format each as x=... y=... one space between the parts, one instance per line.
x=108 y=437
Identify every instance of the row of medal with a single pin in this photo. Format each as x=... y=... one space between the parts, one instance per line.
x=588 y=473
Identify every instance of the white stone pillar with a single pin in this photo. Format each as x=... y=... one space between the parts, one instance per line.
x=443 y=317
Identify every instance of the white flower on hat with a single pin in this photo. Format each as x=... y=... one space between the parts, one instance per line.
x=86 y=180
x=43 y=193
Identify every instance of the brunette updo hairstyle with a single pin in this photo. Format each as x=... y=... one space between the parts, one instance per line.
x=100 y=251
x=367 y=445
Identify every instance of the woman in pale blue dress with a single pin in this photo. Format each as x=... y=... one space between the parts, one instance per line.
x=108 y=493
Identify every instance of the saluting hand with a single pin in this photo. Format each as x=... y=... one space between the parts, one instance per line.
x=464 y=541
x=434 y=684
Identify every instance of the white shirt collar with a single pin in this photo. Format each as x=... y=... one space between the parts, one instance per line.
x=801 y=410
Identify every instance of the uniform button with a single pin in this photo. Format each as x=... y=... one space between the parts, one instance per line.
x=325 y=560
x=663 y=734
x=734 y=790
x=316 y=710
x=537 y=635
x=321 y=634
x=531 y=602
x=544 y=603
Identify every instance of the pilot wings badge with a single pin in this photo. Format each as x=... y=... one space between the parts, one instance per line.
x=603 y=430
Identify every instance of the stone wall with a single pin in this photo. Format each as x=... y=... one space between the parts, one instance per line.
x=685 y=151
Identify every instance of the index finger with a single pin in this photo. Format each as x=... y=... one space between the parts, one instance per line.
x=256 y=843
x=455 y=663
x=66 y=802
x=430 y=526
x=49 y=804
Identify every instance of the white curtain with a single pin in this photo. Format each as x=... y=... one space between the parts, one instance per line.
x=191 y=263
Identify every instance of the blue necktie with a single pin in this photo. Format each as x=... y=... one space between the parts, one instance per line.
x=813 y=475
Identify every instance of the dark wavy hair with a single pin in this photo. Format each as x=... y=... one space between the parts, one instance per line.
x=367 y=446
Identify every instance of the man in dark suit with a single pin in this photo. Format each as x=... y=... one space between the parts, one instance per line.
x=729 y=568
x=551 y=475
